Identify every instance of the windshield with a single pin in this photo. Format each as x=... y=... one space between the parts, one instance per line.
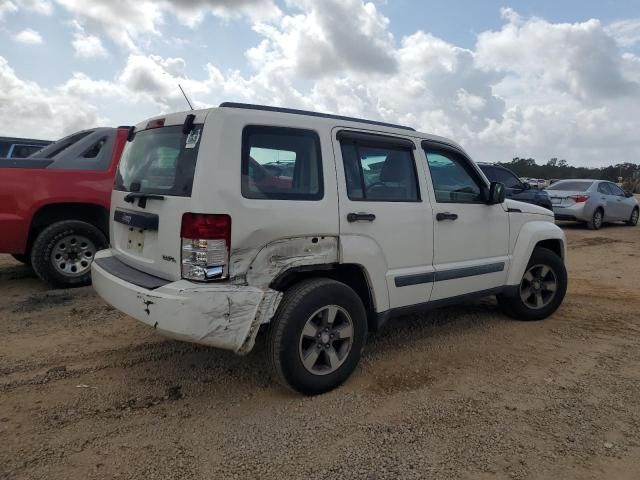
x=571 y=186
x=160 y=161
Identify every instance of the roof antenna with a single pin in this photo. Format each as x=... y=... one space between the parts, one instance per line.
x=185 y=96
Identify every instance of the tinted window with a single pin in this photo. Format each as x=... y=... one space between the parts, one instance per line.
x=616 y=190
x=380 y=173
x=453 y=178
x=23 y=151
x=281 y=164
x=94 y=151
x=160 y=160
x=497 y=174
x=61 y=145
x=569 y=185
x=604 y=189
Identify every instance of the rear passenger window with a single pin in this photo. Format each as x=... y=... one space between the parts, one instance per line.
x=604 y=189
x=385 y=174
x=281 y=164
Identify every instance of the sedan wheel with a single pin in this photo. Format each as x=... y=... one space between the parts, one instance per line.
x=597 y=220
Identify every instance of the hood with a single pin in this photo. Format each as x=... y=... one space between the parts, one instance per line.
x=527 y=208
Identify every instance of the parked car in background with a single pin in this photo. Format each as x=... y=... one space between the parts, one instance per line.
x=538 y=183
x=515 y=188
x=594 y=202
x=367 y=221
x=54 y=208
x=12 y=147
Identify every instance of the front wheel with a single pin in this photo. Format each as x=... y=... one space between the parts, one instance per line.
x=63 y=252
x=541 y=290
x=633 y=219
x=317 y=336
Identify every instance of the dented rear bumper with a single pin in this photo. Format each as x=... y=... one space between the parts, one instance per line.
x=219 y=315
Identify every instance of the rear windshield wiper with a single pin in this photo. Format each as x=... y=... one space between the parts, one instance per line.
x=142 y=198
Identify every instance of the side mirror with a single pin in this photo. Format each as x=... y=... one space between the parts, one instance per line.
x=628 y=194
x=526 y=186
x=497 y=193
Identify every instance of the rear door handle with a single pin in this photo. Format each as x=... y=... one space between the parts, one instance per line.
x=360 y=217
x=446 y=216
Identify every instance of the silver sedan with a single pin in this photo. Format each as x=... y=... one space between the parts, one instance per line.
x=593 y=201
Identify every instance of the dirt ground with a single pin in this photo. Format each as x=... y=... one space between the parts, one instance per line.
x=464 y=392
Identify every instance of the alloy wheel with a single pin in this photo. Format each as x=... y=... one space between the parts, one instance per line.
x=538 y=287
x=326 y=340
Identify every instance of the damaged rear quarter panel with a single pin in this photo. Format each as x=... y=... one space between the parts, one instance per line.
x=260 y=267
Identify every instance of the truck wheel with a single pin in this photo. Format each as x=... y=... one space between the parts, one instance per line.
x=63 y=252
x=22 y=258
x=596 y=220
x=317 y=336
x=541 y=290
x=633 y=219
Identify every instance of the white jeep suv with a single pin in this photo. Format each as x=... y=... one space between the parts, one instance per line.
x=316 y=227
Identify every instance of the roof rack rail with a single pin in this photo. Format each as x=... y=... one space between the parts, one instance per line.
x=266 y=108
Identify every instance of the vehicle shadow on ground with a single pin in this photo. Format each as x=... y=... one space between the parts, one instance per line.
x=582 y=226
x=16 y=272
x=226 y=372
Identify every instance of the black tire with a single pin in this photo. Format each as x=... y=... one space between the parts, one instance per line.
x=285 y=338
x=24 y=258
x=596 y=223
x=633 y=219
x=42 y=252
x=515 y=306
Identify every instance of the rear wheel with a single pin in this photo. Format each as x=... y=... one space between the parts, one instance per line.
x=317 y=336
x=63 y=252
x=541 y=290
x=633 y=219
x=596 y=220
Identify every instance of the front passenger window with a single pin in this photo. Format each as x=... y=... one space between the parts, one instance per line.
x=452 y=180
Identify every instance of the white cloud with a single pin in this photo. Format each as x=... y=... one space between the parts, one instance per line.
x=42 y=7
x=626 y=32
x=7 y=6
x=131 y=23
x=28 y=36
x=531 y=88
x=328 y=37
x=26 y=109
x=87 y=46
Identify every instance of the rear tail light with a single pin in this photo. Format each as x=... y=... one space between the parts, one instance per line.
x=579 y=198
x=206 y=240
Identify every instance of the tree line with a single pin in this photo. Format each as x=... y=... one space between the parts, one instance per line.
x=560 y=169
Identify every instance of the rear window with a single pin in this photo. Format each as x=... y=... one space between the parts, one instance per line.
x=571 y=186
x=160 y=161
x=62 y=144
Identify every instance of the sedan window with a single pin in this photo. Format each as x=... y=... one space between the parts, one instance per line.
x=573 y=186
x=604 y=189
x=616 y=190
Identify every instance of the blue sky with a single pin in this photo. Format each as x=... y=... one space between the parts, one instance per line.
x=541 y=79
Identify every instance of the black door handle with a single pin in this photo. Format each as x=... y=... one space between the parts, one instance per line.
x=446 y=216
x=357 y=217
